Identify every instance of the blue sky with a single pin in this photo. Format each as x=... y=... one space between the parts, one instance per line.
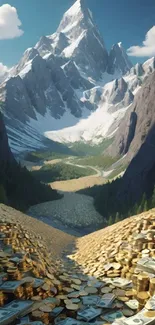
x=118 y=20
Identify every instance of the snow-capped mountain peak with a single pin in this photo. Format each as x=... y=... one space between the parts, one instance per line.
x=68 y=87
x=76 y=20
x=77 y=38
x=85 y=43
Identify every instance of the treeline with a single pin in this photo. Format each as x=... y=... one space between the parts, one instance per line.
x=37 y=156
x=60 y=172
x=99 y=161
x=143 y=205
x=114 y=208
x=20 y=189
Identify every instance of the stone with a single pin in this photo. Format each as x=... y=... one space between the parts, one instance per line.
x=72 y=306
x=91 y=290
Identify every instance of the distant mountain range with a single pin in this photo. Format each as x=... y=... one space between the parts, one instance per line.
x=68 y=87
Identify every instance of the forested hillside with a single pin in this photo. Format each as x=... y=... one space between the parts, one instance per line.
x=18 y=187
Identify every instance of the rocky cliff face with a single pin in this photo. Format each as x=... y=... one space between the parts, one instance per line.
x=140 y=175
x=136 y=139
x=138 y=122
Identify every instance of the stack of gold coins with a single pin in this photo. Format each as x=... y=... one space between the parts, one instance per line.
x=19 y=292
x=128 y=275
x=23 y=265
x=17 y=275
x=2 y=299
x=143 y=282
x=12 y=272
x=28 y=290
x=152 y=287
x=142 y=298
x=134 y=282
x=150 y=245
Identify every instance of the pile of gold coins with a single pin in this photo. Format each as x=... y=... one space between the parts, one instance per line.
x=113 y=286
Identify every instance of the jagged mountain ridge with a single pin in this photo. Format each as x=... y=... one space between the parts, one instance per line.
x=53 y=88
x=79 y=39
x=112 y=102
x=76 y=38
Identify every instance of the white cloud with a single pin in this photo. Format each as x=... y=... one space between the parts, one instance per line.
x=148 y=47
x=3 y=71
x=9 y=22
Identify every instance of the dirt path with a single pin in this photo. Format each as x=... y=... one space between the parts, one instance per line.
x=74 y=185
x=98 y=172
x=69 y=161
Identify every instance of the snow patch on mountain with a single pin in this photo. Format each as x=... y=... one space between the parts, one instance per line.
x=93 y=129
x=99 y=124
x=68 y=51
x=26 y=69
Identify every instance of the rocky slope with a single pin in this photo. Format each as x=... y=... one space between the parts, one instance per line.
x=73 y=210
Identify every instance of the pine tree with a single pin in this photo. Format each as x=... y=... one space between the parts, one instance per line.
x=117 y=218
x=3 y=197
x=140 y=209
x=145 y=206
x=110 y=221
x=136 y=208
x=144 y=199
x=153 y=199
